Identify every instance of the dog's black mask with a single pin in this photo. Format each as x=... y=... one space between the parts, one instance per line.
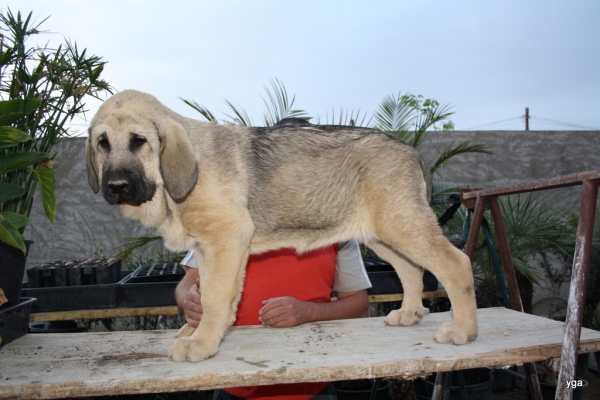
x=126 y=186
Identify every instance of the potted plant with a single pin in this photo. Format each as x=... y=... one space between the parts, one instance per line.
x=12 y=246
x=41 y=90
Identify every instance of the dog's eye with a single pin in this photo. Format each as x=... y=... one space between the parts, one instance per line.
x=137 y=142
x=103 y=143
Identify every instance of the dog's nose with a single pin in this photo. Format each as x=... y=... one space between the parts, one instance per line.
x=118 y=187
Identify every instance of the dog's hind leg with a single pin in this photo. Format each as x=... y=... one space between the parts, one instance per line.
x=411 y=276
x=416 y=234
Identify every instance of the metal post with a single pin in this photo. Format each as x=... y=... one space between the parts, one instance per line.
x=581 y=263
x=513 y=287
x=475 y=227
x=438 y=388
x=496 y=262
x=506 y=255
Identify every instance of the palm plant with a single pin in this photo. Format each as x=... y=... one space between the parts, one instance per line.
x=409 y=117
x=536 y=227
x=278 y=107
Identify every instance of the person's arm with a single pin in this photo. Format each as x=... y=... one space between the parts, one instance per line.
x=187 y=297
x=282 y=312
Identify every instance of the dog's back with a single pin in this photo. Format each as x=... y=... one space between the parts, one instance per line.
x=320 y=180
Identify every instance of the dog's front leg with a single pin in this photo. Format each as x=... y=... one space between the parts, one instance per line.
x=221 y=280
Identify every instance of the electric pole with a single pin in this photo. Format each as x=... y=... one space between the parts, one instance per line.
x=526 y=118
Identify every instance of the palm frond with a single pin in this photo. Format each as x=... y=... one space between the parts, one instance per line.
x=240 y=116
x=132 y=245
x=395 y=115
x=280 y=105
x=345 y=117
x=452 y=151
x=535 y=226
x=205 y=112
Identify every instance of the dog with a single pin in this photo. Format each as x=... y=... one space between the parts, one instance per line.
x=228 y=191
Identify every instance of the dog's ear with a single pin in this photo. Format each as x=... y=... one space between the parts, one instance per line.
x=178 y=164
x=91 y=169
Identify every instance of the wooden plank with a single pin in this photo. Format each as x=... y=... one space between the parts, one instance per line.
x=118 y=312
x=112 y=363
x=383 y=298
x=124 y=312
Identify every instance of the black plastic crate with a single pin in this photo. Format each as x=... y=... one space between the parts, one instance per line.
x=83 y=272
x=158 y=273
x=14 y=321
x=67 y=298
x=384 y=279
x=152 y=285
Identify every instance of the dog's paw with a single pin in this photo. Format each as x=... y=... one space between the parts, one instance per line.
x=405 y=317
x=451 y=332
x=186 y=349
x=185 y=331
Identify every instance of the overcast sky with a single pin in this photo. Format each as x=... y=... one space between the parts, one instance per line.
x=487 y=59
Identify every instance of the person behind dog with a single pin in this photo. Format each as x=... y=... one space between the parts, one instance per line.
x=283 y=289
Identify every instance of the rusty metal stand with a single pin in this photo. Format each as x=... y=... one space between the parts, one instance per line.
x=509 y=269
x=477 y=200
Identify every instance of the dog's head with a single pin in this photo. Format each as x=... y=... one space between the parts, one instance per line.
x=135 y=148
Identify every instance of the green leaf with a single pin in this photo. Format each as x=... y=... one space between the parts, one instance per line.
x=45 y=177
x=12 y=110
x=9 y=191
x=10 y=137
x=96 y=72
x=15 y=219
x=10 y=235
x=21 y=160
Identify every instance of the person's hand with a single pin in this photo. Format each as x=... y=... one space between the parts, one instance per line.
x=192 y=307
x=283 y=312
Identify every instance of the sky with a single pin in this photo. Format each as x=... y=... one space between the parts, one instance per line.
x=488 y=60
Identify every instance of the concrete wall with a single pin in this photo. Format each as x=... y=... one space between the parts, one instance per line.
x=84 y=221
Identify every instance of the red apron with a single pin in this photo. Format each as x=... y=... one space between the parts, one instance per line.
x=278 y=273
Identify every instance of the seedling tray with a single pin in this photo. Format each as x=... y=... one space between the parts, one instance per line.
x=384 y=279
x=66 y=298
x=14 y=320
x=81 y=272
x=152 y=285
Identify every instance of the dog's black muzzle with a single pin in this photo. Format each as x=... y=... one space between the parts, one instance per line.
x=126 y=186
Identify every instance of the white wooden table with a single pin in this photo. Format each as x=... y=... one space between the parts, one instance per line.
x=92 y=364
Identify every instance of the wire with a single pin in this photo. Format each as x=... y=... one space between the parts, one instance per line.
x=560 y=123
x=503 y=122
x=508 y=121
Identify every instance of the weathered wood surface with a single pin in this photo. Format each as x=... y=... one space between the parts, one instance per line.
x=117 y=312
x=90 y=364
x=383 y=298
x=124 y=312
